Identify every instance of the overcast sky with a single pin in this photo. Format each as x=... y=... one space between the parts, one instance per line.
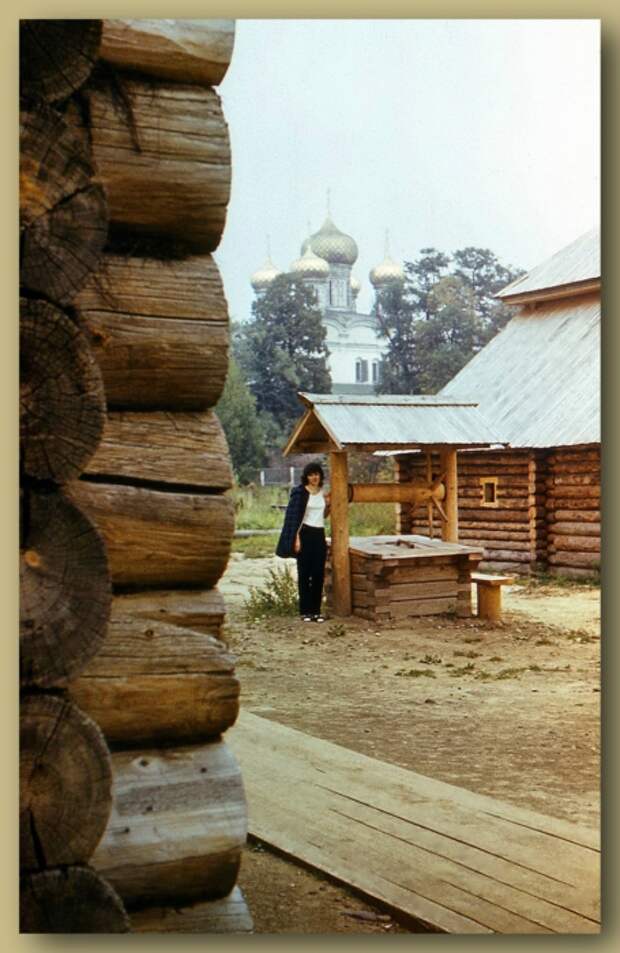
x=447 y=133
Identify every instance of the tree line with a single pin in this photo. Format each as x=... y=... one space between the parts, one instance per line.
x=433 y=324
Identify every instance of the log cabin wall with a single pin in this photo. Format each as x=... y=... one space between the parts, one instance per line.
x=574 y=511
x=541 y=511
x=493 y=505
x=66 y=774
x=153 y=315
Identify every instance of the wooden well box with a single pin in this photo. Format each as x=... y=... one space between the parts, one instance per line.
x=395 y=577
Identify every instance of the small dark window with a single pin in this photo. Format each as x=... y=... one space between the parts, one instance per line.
x=489 y=491
x=361 y=371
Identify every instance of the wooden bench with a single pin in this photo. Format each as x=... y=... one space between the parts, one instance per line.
x=490 y=594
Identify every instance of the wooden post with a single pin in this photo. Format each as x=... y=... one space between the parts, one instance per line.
x=341 y=568
x=450 y=527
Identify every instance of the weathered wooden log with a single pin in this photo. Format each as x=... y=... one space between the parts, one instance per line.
x=70 y=900
x=62 y=403
x=574 y=479
x=65 y=590
x=395 y=492
x=156 y=538
x=580 y=544
x=575 y=455
x=229 y=915
x=163 y=155
x=588 y=528
x=189 y=449
x=65 y=789
x=154 y=682
x=572 y=515
x=188 y=51
x=159 y=330
x=570 y=572
x=56 y=56
x=201 y=610
x=63 y=212
x=580 y=560
x=178 y=825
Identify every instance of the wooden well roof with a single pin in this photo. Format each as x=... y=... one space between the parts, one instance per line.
x=538 y=380
x=340 y=422
x=575 y=269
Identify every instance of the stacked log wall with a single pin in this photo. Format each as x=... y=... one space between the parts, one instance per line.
x=547 y=515
x=574 y=511
x=65 y=591
x=154 y=315
x=502 y=530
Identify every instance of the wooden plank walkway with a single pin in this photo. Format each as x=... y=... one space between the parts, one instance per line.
x=455 y=861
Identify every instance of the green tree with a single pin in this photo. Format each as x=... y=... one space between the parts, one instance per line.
x=485 y=274
x=442 y=315
x=237 y=413
x=283 y=349
x=445 y=342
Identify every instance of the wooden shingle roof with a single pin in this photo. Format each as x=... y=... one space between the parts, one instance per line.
x=575 y=269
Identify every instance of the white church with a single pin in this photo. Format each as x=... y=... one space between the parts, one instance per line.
x=354 y=342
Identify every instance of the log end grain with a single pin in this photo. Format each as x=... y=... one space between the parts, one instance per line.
x=73 y=900
x=65 y=783
x=56 y=56
x=62 y=402
x=65 y=591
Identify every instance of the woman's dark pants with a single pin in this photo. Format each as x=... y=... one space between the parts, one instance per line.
x=311 y=569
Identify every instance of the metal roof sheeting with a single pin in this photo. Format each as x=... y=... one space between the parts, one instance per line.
x=402 y=421
x=577 y=262
x=538 y=380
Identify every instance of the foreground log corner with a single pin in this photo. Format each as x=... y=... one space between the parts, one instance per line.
x=124 y=345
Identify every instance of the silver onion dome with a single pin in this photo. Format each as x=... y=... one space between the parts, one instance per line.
x=262 y=278
x=310 y=265
x=387 y=273
x=333 y=245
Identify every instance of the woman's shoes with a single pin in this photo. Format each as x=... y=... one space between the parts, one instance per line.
x=318 y=618
x=307 y=618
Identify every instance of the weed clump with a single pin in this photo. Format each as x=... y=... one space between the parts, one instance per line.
x=276 y=597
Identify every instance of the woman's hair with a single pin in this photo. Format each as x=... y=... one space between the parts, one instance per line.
x=312 y=468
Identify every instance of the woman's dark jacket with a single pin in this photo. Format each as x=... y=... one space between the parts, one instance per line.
x=292 y=521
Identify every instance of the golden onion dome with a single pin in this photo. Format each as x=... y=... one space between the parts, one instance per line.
x=262 y=278
x=387 y=273
x=332 y=244
x=355 y=286
x=310 y=265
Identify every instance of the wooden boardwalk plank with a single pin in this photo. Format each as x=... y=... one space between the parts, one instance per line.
x=454 y=860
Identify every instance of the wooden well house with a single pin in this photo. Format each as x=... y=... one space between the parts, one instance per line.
x=534 y=505
x=387 y=577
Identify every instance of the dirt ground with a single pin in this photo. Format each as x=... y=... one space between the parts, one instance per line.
x=508 y=709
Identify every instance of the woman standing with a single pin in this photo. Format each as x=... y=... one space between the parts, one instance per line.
x=303 y=538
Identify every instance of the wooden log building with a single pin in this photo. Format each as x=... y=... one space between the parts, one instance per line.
x=535 y=505
x=123 y=356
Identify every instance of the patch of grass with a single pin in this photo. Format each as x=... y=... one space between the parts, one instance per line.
x=496 y=658
x=535 y=668
x=372 y=519
x=472 y=640
x=545 y=641
x=255 y=547
x=580 y=635
x=416 y=673
x=470 y=654
x=430 y=660
x=337 y=630
x=276 y=597
x=509 y=673
x=259 y=507
x=544 y=580
x=463 y=670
